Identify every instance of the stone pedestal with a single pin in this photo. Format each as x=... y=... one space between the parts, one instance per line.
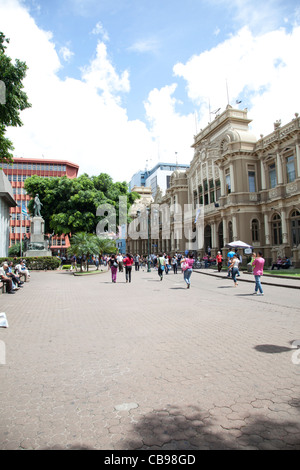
x=38 y=246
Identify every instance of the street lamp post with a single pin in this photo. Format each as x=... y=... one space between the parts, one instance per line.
x=148 y=257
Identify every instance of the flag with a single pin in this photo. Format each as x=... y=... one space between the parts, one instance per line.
x=24 y=210
x=197 y=215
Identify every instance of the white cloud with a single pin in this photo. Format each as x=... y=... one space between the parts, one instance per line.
x=145 y=45
x=66 y=53
x=99 y=30
x=101 y=75
x=260 y=69
x=83 y=120
x=171 y=131
x=76 y=120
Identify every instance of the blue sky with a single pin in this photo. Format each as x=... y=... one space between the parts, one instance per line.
x=115 y=84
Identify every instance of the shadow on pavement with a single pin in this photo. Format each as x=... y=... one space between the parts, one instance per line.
x=174 y=428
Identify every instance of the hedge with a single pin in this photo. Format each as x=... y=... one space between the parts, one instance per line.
x=36 y=262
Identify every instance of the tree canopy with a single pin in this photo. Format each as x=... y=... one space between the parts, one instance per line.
x=11 y=78
x=70 y=205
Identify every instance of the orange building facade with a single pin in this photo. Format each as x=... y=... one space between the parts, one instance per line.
x=17 y=173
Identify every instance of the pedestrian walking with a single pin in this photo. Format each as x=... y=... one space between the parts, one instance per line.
x=258 y=270
x=113 y=264
x=187 y=268
x=234 y=267
x=219 y=260
x=230 y=255
x=137 y=262
x=174 y=264
x=161 y=265
x=128 y=262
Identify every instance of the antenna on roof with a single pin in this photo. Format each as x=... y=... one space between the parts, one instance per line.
x=227 y=92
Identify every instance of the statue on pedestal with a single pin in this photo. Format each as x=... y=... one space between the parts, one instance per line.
x=37 y=206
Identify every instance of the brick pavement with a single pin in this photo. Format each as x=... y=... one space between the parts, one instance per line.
x=149 y=365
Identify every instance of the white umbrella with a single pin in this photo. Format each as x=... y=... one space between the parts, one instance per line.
x=239 y=244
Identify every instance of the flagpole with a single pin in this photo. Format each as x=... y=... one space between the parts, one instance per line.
x=21 y=223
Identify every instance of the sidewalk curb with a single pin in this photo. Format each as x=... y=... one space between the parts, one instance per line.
x=290 y=286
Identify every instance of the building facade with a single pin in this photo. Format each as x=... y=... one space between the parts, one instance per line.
x=245 y=189
x=17 y=173
x=7 y=202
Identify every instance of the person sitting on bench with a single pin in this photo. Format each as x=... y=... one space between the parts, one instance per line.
x=278 y=264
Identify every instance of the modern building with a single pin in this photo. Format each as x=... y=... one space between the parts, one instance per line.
x=17 y=173
x=158 y=177
x=244 y=188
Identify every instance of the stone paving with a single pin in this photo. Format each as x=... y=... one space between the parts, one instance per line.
x=149 y=364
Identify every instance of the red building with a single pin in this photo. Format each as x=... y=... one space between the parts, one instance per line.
x=17 y=173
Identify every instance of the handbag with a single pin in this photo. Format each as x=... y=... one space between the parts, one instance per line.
x=184 y=266
x=115 y=264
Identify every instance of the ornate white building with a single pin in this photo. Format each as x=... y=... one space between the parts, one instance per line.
x=246 y=189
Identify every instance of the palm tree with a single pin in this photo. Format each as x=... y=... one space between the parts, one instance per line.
x=104 y=245
x=82 y=244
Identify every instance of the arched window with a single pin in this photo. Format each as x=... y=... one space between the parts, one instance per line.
x=276 y=229
x=230 y=231
x=220 y=235
x=295 y=227
x=255 y=230
x=207 y=237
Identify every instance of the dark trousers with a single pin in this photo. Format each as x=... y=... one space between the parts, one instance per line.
x=8 y=283
x=128 y=273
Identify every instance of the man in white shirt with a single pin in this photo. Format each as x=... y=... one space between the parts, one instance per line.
x=4 y=278
x=21 y=270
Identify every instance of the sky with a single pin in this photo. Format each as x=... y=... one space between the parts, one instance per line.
x=117 y=86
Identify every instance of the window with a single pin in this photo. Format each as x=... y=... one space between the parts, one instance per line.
x=295 y=227
x=206 y=196
x=195 y=198
x=211 y=191
x=251 y=179
x=168 y=179
x=290 y=169
x=218 y=190
x=200 y=191
x=276 y=230
x=272 y=175
x=254 y=230
x=228 y=183
x=230 y=231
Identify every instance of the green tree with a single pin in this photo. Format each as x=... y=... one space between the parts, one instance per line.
x=70 y=205
x=12 y=76
x=82 y=245
x=104 y=245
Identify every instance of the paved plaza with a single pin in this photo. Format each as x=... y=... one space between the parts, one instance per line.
x=88 y=364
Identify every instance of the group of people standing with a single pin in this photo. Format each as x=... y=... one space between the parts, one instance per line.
x=162 y=262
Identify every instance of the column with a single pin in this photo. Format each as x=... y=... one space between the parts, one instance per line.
x=279 y=169
x=267 y=229
x=222 y=181
x=214 y=235
x=232 y=178
x=225 y=231
x=263 y=175
x=234 y=228
x=284 y=226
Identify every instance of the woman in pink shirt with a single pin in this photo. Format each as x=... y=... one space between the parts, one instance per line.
x=187 y=268
x=258 y=269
